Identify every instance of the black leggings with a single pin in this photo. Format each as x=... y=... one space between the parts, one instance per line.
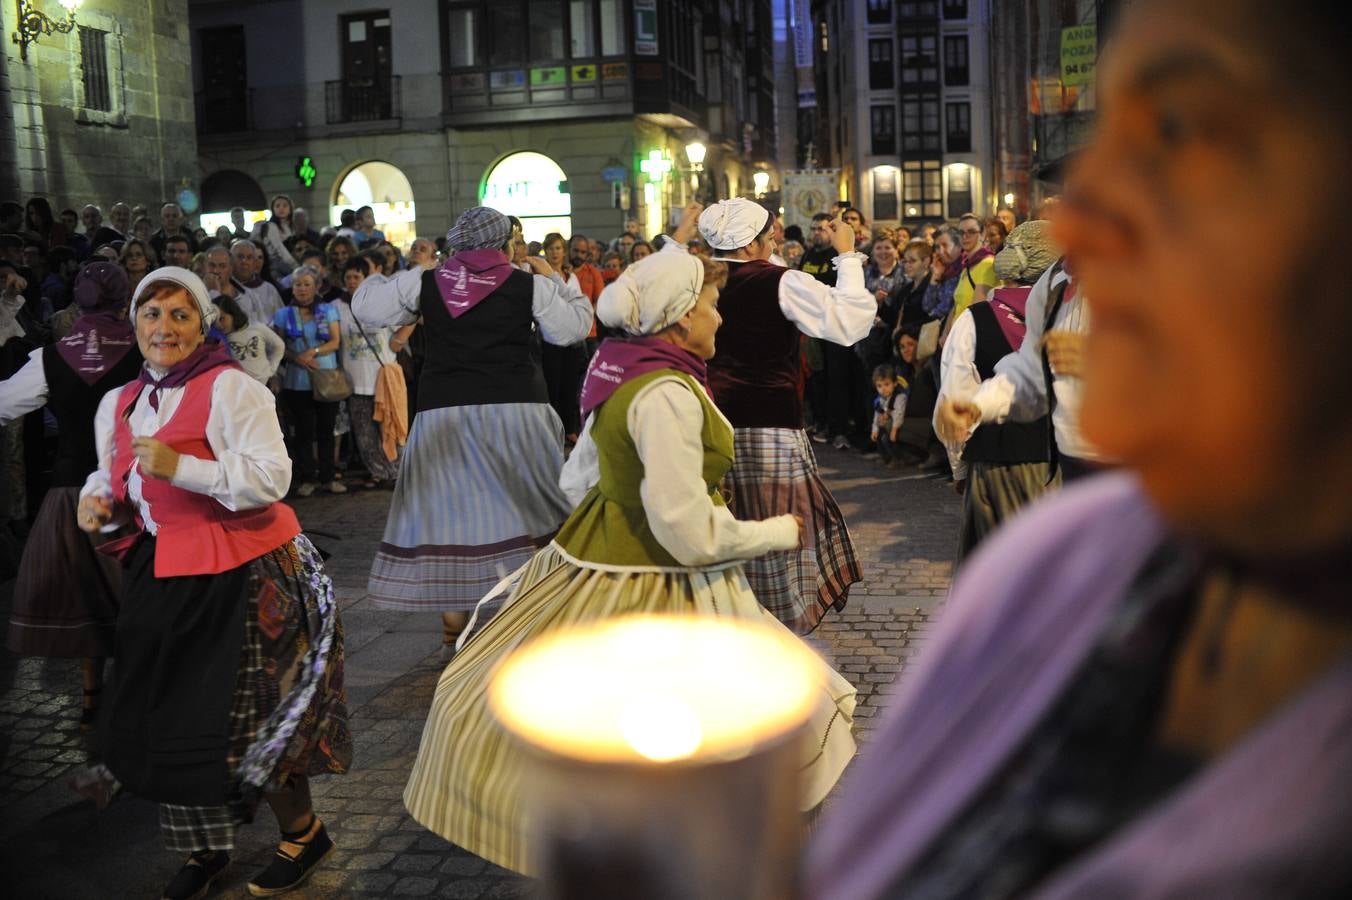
x=313 y=422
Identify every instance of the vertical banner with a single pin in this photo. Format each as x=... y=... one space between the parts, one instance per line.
x=1079 y=54
x=802 y=54
x=807 y=193
x=645 y=27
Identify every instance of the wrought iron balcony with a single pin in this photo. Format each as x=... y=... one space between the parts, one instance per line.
x=369 y=102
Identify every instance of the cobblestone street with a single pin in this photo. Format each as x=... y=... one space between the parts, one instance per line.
x=904 y=524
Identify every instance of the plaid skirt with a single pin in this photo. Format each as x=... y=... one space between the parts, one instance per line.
x=775 y=472
x=478 y=493
x=288 y=708
x=466 y=782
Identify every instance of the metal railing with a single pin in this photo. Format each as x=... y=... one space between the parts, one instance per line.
x=373 y=102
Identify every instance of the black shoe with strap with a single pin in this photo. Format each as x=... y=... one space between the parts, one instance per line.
x=197 y=875
x=297 y=856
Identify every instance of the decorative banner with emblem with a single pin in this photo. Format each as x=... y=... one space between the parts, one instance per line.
x=807 y=193
x=583 y=73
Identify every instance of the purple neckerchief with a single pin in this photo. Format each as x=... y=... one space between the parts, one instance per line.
x=470 y=276
x=1023 y=616
x=1009 y=304
x=210 y=354
x=620 y=360
x=97 y=342
x=976 y=256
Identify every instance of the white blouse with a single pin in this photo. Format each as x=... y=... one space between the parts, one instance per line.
x=25 y=390
x=563 y=314
x=251 y=469
x=665 y=420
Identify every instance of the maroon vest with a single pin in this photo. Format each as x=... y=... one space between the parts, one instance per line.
x=755 y=369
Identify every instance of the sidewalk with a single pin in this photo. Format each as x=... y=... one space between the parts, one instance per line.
x=904 y=526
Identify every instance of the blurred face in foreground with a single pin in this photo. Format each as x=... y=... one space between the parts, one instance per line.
x=1255 y=458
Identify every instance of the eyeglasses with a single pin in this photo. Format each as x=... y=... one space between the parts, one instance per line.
x=969 y=231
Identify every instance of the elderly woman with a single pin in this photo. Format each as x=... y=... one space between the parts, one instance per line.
x=137 y=258
x=228 y=647
x=1143 y=686
x=478 y=491
x=66 y=594
x=997 y=468
x=651 y=534
x=313 y=335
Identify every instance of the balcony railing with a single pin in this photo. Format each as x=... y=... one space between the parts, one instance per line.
x=375 y=102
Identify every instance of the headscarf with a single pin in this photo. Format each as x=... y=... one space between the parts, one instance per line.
x=647 y=297
x=184 y=279
x=1028 y=252
x=478 y=267
x=1010 y=306
x=732 y=224
x=100 y=338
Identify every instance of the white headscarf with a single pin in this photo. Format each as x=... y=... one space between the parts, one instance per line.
x=184 y=279
x=651 y=294
x=732 y=224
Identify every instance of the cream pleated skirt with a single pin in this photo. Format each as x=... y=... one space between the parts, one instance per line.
x=465 y=782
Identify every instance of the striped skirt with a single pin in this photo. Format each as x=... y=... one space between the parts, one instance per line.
x=995 y=493
x=478 y=494
x=775 y=472
x=465 y=784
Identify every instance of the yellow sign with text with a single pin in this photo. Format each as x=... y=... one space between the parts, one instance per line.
x=1079 y=54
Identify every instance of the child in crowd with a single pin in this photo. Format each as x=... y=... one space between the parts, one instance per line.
x=889 y=410
x=255 y=347
x=612 y=264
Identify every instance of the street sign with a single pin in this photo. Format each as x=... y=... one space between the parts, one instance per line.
x=613 y=174
x=1079 y=54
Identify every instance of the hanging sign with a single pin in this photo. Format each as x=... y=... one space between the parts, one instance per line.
x=645 y=27
x=1079 y=54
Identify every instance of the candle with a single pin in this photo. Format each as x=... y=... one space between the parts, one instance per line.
x=663 y=756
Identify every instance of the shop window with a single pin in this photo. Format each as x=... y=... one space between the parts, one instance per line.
x=884 y=193
x=922 y=189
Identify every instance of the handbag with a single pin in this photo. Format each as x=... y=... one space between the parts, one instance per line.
x=928 y=344
x=330 y=385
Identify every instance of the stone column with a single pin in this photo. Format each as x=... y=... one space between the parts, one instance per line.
x=9 y=142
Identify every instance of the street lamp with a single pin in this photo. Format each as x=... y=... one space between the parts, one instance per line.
x=34 y=23
x=694 y=152
x=761 y=180
x=1009 y=200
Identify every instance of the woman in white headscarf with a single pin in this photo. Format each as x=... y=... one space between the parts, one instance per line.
x=651 y=535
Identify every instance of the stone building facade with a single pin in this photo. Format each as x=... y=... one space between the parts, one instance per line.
x=102 y=113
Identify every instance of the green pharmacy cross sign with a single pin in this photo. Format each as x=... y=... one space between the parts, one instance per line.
x=655 y=166
x=306 y=171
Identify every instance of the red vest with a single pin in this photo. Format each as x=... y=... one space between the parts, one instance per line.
x=197 y=535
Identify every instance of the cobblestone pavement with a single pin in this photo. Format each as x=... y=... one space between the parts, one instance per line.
x=904 y=525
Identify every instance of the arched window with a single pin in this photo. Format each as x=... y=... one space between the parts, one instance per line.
x=386 y=190
x=532 y=187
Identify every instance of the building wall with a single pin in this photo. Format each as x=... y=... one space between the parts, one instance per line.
x=145 y=149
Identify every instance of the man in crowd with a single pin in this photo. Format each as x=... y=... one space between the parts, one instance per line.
x=855 y=219
x=171 y=214
x=246 y=264
x=588 y=276
x=177 y=251
x=91 y=217
x=239 y=229
x=818 y=256
x=300 y=227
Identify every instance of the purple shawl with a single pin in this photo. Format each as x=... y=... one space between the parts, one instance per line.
x=1024 y=615
x=209 y=354
x=1009 y=304
x=620 y=360
x=102 y=335
x=469 y=276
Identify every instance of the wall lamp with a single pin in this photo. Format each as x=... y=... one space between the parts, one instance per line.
x=33 y=23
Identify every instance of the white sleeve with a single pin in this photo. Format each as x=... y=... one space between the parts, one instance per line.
x=99 y=482
x=25 y=390
x=1018 y=390
x=665 y=420
x=274 y=349
x=842 y=314
x=959 y=379
x=251 y=468
x=563 y=313
x=583 y=469
x=389 y=301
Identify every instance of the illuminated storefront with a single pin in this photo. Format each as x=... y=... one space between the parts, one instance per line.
x=532 y=187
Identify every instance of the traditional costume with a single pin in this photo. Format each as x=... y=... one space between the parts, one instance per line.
x=650 y=535
x=478 y=489
x=755 y=380
x=1005 y=466
x=66 y=593
x=229 y=676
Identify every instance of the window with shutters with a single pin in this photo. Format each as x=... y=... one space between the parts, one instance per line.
x=96 y=70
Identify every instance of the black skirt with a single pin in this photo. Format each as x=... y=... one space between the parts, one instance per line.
x=177 y=646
